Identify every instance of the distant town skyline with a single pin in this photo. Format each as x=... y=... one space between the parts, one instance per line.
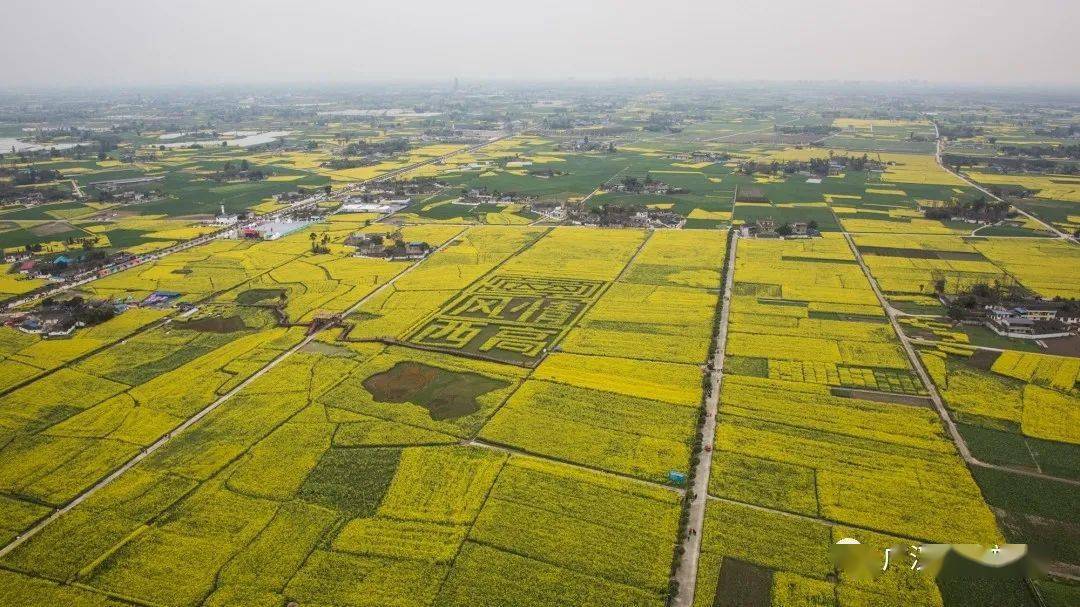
x=128 y=42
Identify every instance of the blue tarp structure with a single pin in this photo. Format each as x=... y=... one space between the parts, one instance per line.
x=160 y=297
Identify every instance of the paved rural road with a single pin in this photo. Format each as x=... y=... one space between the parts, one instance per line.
x=691 y=544
x=89 y=277
x=938 y=153
x=939 y=404
x=161 y=442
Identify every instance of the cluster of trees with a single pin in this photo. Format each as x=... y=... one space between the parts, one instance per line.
x=467 y=192
x=1017 y=164
x=96 y=194
x=785 y=228
x=1038 y=151
x=969 y=301
x=960 y=131
x=637 y=185
x=106 y=142
x=319 y=246
x=979 y=209
x=87 y=312
x=241 y=170
x=547 y=172
x=8 y=192
x=347 y=163
x=662 y=123
x=31 y=175
x=422 y=184
x=92 y=256
x=613 y=214
x=1061 y=132
x=87 y=243
x=388 y=147
x=633 y=184
x=584 y=145
x=560 y=121
x=818 y=166
x=24 y=156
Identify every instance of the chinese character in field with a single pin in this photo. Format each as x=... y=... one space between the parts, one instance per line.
x=524 y=311
x=523 y=340
x=558 y=313
x=449 y=332
x=491 y=306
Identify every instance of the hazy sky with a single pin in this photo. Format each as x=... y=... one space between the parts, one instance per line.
x=132 y=42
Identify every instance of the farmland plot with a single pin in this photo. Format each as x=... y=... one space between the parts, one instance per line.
x=792 y=442
x=339 y=476
x=1019 y=407
x=72 y=427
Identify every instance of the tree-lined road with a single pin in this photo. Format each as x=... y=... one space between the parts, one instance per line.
x=691 y=542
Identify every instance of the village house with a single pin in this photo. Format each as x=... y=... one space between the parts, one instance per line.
x=225 y=219
x=1031 y=318
x=51 y=327
x=367 y=245
x=1009 y=320
x=52 y=318
x=371 y=204
x=390 y=246
x=710 y=155
x=584 y=144
x=765 y=226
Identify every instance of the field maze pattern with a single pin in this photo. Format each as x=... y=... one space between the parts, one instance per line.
x=514 y=318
